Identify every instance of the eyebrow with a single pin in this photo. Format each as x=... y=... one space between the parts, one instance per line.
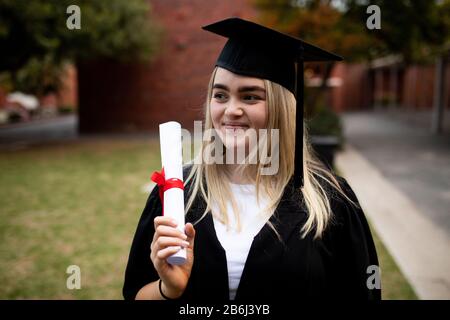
x=240 y=89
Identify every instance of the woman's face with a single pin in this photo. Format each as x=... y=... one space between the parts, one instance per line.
x=238 y=103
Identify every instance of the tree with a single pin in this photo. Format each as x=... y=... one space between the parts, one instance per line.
x=323 y=24
x=418 y=30
x=36 y=42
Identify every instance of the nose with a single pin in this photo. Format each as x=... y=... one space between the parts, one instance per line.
x=234 y=109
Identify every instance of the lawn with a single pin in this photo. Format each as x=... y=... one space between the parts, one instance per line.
x=78 y=204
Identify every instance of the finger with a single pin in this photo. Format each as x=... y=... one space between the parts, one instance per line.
x=166 y=231
x=167 y=252
x=164 y=242
x=190 y=232
x=164 y=220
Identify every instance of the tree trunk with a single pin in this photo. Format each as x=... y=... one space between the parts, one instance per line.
x=438 y=98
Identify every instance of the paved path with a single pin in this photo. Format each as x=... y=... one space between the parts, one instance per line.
x=56 y=130
x=38 y=132
x=414 y=160
x=401 y=174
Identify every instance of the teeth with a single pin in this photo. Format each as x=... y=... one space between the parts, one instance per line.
x=235 y=128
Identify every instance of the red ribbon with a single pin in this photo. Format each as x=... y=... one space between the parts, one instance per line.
x=160 y=179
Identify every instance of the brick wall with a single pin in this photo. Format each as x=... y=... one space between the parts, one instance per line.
x=355 y=90
x=2 y=97
x=67 y=95
x=419 y=87
x=415 y=87
x=137 y=97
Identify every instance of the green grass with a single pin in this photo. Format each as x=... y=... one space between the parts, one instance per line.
x=73 y=204
x=394 y=285
x=79 y=204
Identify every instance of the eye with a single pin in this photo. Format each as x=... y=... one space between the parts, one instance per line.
x=251 y=98
x=219 y=96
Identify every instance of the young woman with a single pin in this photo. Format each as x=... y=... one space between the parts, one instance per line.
x=253 y=236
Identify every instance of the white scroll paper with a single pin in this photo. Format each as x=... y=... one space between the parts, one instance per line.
x=172 y=162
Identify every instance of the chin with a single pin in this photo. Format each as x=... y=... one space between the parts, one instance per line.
x=234 y=136
x=236 y=142
x=236 y=146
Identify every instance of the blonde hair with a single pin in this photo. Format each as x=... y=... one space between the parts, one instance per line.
x=207 y=179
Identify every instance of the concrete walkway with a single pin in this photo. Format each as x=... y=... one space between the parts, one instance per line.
x=401 y=175
x=22 y=135
x=62 y=129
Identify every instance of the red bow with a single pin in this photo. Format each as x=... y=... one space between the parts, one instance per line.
x=163 y=184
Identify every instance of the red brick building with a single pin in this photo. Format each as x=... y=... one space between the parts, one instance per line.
x=389 y=85
x=136 y=97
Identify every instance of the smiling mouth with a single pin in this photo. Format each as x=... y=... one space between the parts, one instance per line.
x=235 y=126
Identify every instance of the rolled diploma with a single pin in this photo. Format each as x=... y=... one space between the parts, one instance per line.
x=172 y=162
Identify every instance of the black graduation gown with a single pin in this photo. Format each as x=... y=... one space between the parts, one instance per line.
x=333 y=267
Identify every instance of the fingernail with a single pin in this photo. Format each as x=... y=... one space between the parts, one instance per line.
x=184 y=236
x=186 y=243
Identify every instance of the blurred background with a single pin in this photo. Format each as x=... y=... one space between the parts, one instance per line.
x=83 y=90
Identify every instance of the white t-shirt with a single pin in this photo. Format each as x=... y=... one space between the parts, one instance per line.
x=237 y=244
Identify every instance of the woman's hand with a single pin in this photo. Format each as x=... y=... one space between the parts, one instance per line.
x=168 y=240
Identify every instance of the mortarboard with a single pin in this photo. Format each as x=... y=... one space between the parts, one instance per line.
x=257 y=51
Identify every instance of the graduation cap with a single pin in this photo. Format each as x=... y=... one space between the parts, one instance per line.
x=257 y=51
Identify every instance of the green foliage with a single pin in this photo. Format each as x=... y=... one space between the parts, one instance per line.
x=66 y=109
x=34 y=36
x=320 y=23
x=418 y=30
x=39 y=76
x=325 y=121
